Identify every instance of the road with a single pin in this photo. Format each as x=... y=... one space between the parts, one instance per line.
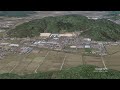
x=102 y=51
x=63 y=62
x=42 y=62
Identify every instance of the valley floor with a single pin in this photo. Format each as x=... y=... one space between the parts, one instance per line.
x=48 y=60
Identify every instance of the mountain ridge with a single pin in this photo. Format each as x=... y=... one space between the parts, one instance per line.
x=101 y=29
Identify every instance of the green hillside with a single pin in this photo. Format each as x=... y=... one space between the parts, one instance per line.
x=80 y=72
x=16 y=13
x=96 y=29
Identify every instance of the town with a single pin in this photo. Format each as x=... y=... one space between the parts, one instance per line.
x=67 y=42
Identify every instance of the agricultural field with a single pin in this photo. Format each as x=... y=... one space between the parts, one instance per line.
x=113 y=49
x=113 y=59
x=79 y=72
x=92 y=60
x=2 y=34
x=52 y=61
x=72 y=60
x=43 y=60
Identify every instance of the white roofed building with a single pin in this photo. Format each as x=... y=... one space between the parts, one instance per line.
x=4 y=43
x=45 y=34
x=14 y=45
x=87 y=46
x=54 y=35
x=87 y=39
x=73 y=47
x=67 y=35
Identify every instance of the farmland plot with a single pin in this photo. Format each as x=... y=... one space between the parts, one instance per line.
x=92 y=60
x=113 y=49
x=24 y=63
x=113 y=61
x=33 y=65
x=72 y=60
x=52 y=62
x=7 y=68
x=42 y=53
x=9 y=62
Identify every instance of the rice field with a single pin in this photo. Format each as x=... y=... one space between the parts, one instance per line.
x=48 y=60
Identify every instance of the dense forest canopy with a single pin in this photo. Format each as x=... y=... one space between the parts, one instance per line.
x=101 y=29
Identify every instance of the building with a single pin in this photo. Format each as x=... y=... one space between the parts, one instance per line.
x=87 y=39
x=80 y=46
x=46 y=35
x=4 y=43
x=37 y=42
x=25 y=50
x=2 y=30
x=14 y=45
x=67 y=35
x=94 y=18
x=54 y=35
x=73 y=47
x=87 y=46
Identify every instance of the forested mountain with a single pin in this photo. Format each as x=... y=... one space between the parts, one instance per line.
x=101 y=29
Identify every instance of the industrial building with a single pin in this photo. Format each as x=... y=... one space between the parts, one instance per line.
x=45 y=35
x=67 y=35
